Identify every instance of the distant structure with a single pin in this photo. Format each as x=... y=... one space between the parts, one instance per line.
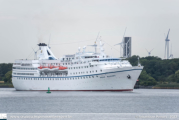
x=127 y=45
x=171 y=55
x=121 y=44
x=166 y=56
x=149 y=52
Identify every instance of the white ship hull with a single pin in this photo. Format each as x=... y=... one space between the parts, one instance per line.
x=108 y=80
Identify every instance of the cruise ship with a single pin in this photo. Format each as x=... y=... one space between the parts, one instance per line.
x=82 y=71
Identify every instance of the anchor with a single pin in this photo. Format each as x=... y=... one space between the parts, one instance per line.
x=129 y=77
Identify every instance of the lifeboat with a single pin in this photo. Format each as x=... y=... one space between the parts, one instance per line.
x=53 y=68
x=45 y=68
x=62 y=68
x=40 y=68
x=50 y=67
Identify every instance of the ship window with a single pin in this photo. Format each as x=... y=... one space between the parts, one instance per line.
x=90 y=71
x=96 y=76
x=79 y=72
x=96 y=70
x=79 y=67
x=101 y=70
x=74 y=67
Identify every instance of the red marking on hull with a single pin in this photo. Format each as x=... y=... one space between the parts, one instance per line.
x=80 y=90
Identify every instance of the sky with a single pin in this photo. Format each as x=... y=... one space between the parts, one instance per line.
x=70 y=24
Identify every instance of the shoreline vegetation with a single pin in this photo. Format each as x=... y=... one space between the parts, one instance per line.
x=157 y=73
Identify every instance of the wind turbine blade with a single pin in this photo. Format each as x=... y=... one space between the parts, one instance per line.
x=92 y=45
x=168 y=33
x=117 y=44
x=151 y=50
x=146 y=50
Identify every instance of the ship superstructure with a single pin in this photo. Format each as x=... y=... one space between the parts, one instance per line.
x=83 y=71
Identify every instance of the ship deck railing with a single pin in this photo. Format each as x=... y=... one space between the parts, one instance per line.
x=53 y=75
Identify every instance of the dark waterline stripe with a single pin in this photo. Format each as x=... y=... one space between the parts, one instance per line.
x=82 y=90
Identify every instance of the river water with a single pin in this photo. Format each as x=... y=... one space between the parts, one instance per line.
x=137 y=101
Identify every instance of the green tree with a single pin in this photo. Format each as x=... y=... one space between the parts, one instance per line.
x=8 y=77
x=146 y=80
x=4 y=68
x=177 y=76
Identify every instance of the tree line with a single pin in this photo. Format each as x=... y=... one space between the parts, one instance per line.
x=6 y=72
x=157 y=70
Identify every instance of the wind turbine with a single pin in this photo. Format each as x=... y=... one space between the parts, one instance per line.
x=121 y=44
x=35 y=54
x=149 y=52
x=167 y=46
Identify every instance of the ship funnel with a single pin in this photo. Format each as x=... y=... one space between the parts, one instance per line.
x=45 y=52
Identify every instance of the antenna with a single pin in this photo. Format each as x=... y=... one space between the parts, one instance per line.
x=95 y=45
x=35 y=54
x=49 y=42
x=97 y=37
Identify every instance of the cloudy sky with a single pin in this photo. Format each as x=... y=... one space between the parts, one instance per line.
x=76 y=23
